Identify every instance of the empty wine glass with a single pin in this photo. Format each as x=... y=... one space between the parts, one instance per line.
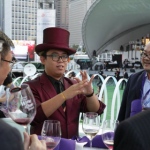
x=108 y=131
x=21 y=105
x=51 y=133
x=91 y=125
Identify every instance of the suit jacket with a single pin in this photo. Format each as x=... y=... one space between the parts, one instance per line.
x=134 y=133
x=133 y=91
x=43 y=90
x=125 y=75
x=10 y=138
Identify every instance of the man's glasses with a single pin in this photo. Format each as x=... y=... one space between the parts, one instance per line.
x=11 y=63
x=143 y=55
x=56 y=57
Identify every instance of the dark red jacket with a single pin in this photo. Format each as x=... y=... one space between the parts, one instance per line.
x=43 y=90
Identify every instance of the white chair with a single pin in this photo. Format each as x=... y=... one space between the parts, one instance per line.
x=35 y=76
x=17 y=81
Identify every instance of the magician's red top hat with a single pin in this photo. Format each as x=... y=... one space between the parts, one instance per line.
x=55 y=38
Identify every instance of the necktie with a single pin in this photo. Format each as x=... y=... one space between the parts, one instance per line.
x=61 y=89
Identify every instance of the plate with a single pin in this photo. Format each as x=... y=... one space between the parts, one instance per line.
x=29 y=69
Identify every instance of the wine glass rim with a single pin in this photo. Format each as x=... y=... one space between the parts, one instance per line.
x=15 y=89
x=91 y=113
x=109 y=120
x=21 y=87
x=52 y=121
x=24 y=85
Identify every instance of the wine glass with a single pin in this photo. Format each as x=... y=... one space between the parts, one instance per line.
x=91 y=125
x=51 y=133
x=21 y=105
x=5 y=90
x=108 y=131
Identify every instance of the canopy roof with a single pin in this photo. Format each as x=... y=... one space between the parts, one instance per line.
x=108 y=24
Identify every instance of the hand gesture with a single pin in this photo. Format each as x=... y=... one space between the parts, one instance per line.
x=83 y=86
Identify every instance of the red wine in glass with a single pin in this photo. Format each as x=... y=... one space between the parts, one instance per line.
x=23 y=122
x=21 y=105
x=51 y=133
x=51 y=145
x=108 y=132
x=109 y=143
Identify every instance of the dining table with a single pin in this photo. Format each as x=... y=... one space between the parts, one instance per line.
x=92 y=148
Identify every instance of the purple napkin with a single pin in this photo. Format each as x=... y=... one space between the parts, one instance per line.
x=136 y=107
x=81 y=140
x=70 y=144
x=64 y=144
x=96 y=142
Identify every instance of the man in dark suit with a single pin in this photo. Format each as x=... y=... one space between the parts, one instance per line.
x=10 y=139
x=134 y=133
x=136 y=96
x=125 y=76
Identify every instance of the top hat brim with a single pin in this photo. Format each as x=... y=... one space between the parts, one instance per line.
x=44 y=47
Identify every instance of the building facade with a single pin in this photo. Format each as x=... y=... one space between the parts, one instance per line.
x=46 y=17
x=18 y=18
x=62 y=13
x=77 y=11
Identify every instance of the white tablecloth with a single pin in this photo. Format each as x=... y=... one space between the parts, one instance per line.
x=79 y=146
x=88 y=148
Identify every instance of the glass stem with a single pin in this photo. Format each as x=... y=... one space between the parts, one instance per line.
x=26 y=129
x=91 y=142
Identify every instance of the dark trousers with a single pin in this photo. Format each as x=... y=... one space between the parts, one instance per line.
x=123 y=84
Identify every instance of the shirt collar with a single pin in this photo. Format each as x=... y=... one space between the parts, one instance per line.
x=54 y=80
x=146 y=78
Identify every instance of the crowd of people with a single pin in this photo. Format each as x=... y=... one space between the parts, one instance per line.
x=61 y=98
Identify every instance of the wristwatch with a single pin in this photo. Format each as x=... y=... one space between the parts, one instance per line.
x=90 y=95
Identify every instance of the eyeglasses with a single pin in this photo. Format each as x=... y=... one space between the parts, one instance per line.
x=56 y=57
x=11 y=63
x=143 y=55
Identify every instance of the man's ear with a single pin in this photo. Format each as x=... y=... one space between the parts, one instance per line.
x=42 y=59
x=68 y=59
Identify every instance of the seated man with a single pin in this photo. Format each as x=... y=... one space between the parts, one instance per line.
x=58 y=97
x=136 y=96
x=10 y=137
x=134 y=133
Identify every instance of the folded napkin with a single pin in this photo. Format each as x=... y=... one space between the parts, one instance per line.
x=96 y=142
x=66 y=144
x=136 y=107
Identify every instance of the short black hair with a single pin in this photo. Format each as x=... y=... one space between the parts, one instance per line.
x=5 y=50
x=8 y=80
